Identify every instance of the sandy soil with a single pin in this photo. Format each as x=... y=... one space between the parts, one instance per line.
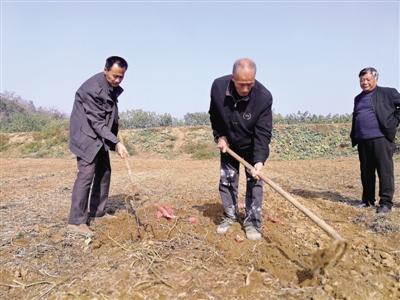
x=177 y=259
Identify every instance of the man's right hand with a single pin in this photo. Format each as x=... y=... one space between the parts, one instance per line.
x=121 y=150
x=222 y=144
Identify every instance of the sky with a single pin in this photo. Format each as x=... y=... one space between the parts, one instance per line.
x=308 y=53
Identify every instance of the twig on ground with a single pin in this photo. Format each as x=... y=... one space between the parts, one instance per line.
x=23 y=285
x=248 y=275
x=10 y=285
x=73 y=294
x=176 y=221
x=118 y=243
x=159 y=277
x=54 y=286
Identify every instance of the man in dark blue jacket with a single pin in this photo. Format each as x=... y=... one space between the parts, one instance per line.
x=93 y=131
x=375 y=118
x=241 y=118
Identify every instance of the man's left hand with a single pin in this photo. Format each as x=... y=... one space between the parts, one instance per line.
x=258 y=168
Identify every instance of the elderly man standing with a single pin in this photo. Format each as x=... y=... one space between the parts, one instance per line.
x=241 y=118
x=93 y=131
x=375 y=118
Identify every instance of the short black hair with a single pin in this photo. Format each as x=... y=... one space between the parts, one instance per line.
x=116 y=60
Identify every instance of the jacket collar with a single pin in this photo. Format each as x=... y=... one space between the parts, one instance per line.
x=112 y=90
x=230 y=89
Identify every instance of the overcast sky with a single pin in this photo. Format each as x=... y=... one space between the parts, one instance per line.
x=308 y=53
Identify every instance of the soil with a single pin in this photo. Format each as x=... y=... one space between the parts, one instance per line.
x=178 y=259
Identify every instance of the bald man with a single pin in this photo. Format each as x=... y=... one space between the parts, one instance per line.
x=241 y=118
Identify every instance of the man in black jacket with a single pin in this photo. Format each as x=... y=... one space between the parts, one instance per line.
x=93 y=131
x=241 y=118
x=375 y=118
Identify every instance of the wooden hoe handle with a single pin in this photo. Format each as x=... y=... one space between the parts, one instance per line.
x=321 y=223
x=130 y=174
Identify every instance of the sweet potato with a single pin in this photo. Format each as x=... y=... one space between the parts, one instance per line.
x=275 y=220
x=193 y=220
x=170 y=211
x=158 y=214
x=166 y=211
x=239 y=239
x=241 y=205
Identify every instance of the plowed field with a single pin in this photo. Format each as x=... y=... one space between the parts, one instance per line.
x=177 y=259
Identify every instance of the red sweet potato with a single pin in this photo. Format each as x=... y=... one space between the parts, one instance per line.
x=171 y=212
x=241 y=205
x=166 y=211
x=275 y=220
x=158 y=214
x=193 y=220
x=239 y=239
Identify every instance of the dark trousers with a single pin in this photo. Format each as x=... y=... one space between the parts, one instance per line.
x=96 y=175
x=228 y=189
x=377 y=155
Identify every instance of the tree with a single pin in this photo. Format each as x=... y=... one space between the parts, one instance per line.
x=164 y=120
x=197 y=119
x=138 y=118
x=19 y=115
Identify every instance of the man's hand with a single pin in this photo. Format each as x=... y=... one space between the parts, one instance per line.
x=222 y=144
x=258 y=168
x=121 y=150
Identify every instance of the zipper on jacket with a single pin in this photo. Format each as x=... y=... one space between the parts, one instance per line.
x=237 y=101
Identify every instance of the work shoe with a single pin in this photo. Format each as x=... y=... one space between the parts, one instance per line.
x=252 y=233
x=362 y=204
x=383 y=209
x=106 y=217
x=225 y=224
x=80 y=229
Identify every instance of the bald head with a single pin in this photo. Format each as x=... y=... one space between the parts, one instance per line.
x=244 y=64
x=243 y=76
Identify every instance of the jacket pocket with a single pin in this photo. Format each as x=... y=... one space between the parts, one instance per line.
x=88 y=131
x=87 y=138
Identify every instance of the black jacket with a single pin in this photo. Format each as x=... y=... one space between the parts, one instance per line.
x=94 y=118
x=386 y=104
x=247 y=124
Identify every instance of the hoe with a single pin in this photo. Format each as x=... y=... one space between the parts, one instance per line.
x=322 y=258
x=133 y=199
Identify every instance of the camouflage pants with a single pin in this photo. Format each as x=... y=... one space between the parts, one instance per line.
x=228 y=189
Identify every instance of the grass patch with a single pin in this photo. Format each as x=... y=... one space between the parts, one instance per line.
x=159 y=140
x=201 y=150
x=303 y=141
x=129 y=146
x=30 y=148
x=3 y=142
